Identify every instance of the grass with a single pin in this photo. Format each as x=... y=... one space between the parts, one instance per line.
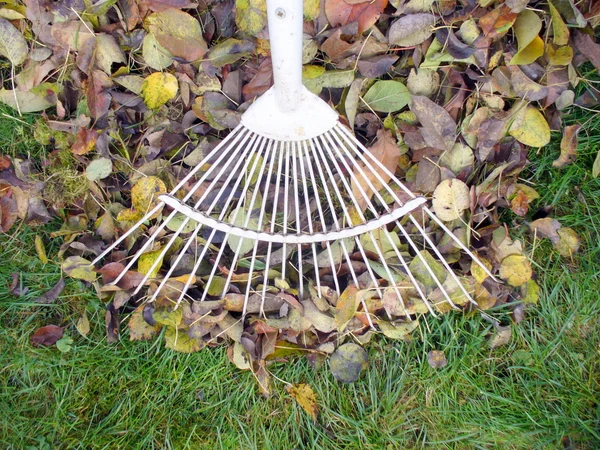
x=541 y=390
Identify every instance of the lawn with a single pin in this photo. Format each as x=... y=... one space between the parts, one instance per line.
x=541 y=390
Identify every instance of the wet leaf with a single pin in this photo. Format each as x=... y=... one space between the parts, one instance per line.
x=437 y=359
x=568 y=146
x=387 y=96
x=411 y=29
x=158 y=89
x=305 y=397
x=516 y=270
x=46 y=336
x=347 y=362
x=251 y=16
x=8 y=213
x=450 y=199
x=530 y=127
x=79 y=268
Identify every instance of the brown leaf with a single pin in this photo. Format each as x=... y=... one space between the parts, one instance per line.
x=262 y=80
x=15 y=286
x=546 y=228
x=439 y=129
x=498 y=21
x=376 y=66
x=112 y=270
x=568 y=146
x=386 y=151
x=85 y=141
x=112 y=324
x=98 y=99
x=343 y=12
x=8 y=213
x=500 y=337
x=51 y=296
x=437 y=359
x=46 y=336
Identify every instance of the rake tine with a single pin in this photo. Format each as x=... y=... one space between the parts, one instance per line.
x=261 y=214
x=248 y=214
x=298 y=224
x=318 y=150
x=254 y=144
x=285 y=205
x=362 y=217
x=184 y=223
x=347 y=136
x=273 y=221
x=308 y=215
x=322 y=217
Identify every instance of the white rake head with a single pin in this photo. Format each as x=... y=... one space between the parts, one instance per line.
x=292 y=181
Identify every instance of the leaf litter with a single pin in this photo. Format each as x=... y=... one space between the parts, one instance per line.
x=134 y=94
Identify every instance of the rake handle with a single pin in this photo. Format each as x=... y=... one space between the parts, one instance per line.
x=285 y=18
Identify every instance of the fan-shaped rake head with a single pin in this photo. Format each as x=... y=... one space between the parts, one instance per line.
x=322 y=210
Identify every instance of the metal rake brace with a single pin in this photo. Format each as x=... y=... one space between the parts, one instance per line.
x=291 y=179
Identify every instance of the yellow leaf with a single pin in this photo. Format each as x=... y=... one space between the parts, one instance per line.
x=568 y=243
x=531 y=46
x=139 y=329
x=516 y=270
x=79 y=268
x=530 y=292
x=144 y=194
x=158 y=88
x=397 y=330
x=559 y=28
x=306 y=398
x=251 y=15
x=180 y=341
x=146 y=262
x=346 y=307
x=559 y=56
x=530 y=127
x=41 y=250
x=83 y=325
x=450 y=199
x=178 y=32
x=477 y=272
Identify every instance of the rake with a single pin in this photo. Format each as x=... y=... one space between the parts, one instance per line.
x=290 y=180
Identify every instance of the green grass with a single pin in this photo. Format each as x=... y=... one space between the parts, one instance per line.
x=541 y=388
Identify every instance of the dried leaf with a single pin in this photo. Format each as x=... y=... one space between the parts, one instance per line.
x=569 y=242
x=46 y=336
x=437 y=359
x=398 y=330
x=531 y=46
x=347 y=362
x=568 y=146
x=346 y=307
x=99 y=169
x=145 y=193
x=40 y=249
x=51 y=296
x=12 y=43
x=83 y=325
x=343 y=12
x=412 y=29
x=450 y=199
x=386 y=151
x=439 y=129
x=8 y=213
x=500 y=337
x=178 y=32
x=139 y=328
x=305 y=397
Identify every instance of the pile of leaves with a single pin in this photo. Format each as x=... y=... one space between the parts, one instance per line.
x=134 y=93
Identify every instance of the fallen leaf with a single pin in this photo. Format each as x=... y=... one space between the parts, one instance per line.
x=531 y=46
x=305 y=397
x=569 y=242
x=79 y=268
x=347 y=362
x=346 y=307
x=8 y=213
x=450 y=199
x=439 y=129
x=568 y=146
x=364 y=12
x=99 y=169
x=178 y=32
x=398 y=330
x=40 y=249
x=386 y=151
x=145 y=193
x=421 y=273
x=530 y=127
x=437 y=359
x=530 y=292
x=516 y=270
x=12 y=43
x=51 y=296
x=139 y=328
x=251 y=16
x=83 y=325
x=158 y=89
x=411 y=30
x=46 y=336
x=387 y=96
x=500 y=337
x=64 y=344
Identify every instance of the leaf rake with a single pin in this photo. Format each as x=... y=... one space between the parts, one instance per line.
x=290 y=179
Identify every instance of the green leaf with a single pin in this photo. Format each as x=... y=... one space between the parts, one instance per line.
x=240 y=217
x=387 y=96
x=329 y=79
x=12 y=43
x=79 y=268
x=178 y=32
x=154 y=54
x=98 y=169
x=64 y=344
